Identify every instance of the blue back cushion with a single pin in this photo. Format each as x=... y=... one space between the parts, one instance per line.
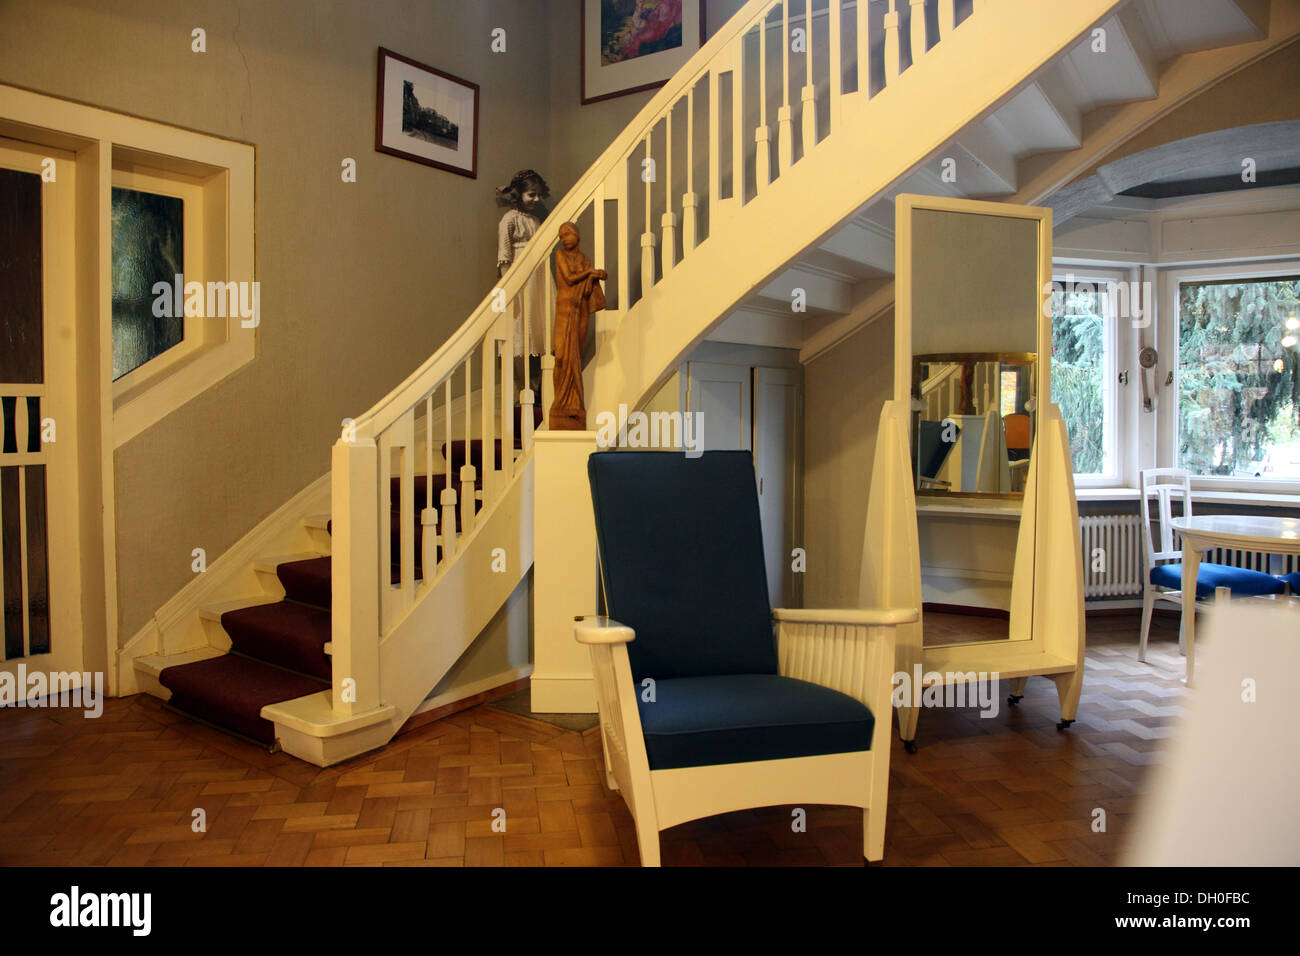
x=681 y=558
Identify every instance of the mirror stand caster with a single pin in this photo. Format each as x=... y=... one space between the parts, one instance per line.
x=1063 y=724
x=1013 y=699
x=909 y=746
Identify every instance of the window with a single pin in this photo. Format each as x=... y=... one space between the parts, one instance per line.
x=1083 y=360
x=148 y=233
x=1238 y=387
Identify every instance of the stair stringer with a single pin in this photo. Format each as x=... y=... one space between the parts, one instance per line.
x=750 y=245
x=426 y=642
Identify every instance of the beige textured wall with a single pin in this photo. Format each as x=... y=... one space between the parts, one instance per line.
x=843 y=393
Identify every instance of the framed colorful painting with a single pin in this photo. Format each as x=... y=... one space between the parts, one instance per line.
x=426 y=115
x=634 y=45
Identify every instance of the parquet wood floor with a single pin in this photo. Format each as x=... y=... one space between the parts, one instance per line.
x=123 y=790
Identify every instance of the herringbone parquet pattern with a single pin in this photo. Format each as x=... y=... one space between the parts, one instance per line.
x=124 y=789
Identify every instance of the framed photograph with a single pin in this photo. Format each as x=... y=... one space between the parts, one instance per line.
x=634 y=45
x=426 y=115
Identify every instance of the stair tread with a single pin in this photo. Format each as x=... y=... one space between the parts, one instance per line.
x=284 y=633
x=215 y=609
x=272 y=562
x=155 y=664
x=230 y=691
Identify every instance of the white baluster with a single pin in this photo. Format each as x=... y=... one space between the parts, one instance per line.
x=738 y=72
x=947 y=17
x=428 y=514
x=468 y=473
x=762 y=135
x=449 y=489
x=784 y=126
x=893 y=48
x=488 y=474
x=808 y=96
x=648 y=237
x=502 y=475
x=689 y=198
x=834 y=16
x=404 y=437
x=918 y=30
x=863 y=13
x=668 y=221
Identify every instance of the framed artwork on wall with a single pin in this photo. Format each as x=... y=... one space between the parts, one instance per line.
x=426 y=115
x=634 y=45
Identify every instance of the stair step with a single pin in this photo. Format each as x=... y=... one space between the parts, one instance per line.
x=148 y=669
x=230 y=691
x=306 y=580
x=285 y=634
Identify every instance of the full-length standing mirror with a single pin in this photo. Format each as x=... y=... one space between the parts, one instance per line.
x=972 y=514
x=972 y=385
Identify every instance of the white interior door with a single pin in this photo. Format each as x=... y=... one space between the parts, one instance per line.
x=721 y=396
x=777 y=448
x=40 y=613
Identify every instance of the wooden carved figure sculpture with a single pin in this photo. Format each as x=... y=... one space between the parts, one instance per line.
x=578 y=294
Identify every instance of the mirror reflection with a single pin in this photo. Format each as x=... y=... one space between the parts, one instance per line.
x=975 y=298
x=973 y=424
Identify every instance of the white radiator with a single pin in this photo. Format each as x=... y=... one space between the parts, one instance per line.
x=1112 y=556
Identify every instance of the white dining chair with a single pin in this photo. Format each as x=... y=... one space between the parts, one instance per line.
x=1163 y=569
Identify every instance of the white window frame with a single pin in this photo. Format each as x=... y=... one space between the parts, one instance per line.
x=190 y=192
x=1112 y=434
x=1167 y=445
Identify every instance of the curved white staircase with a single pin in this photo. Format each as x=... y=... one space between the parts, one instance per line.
x=762 y=173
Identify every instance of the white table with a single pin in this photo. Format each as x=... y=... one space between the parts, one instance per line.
x=1201 y=533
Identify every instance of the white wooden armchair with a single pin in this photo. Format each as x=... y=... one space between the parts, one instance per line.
x=702 y=710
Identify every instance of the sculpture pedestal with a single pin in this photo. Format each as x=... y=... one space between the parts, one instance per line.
x=565 y=577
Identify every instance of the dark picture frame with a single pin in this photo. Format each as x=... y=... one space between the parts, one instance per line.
x=593 y=88
x=409 y=123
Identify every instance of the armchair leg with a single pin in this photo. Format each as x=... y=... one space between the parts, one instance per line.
x=1148 y=604
x=873 y=835
x=647 y=841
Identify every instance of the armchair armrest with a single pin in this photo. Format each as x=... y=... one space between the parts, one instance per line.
x=601 y=630
x=869 y=616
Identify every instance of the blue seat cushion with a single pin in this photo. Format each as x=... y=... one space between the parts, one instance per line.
x=1211 y=576
x=681 y=560
x=702 y=721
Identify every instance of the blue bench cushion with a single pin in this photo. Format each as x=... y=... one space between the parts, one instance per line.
x=702 y=721
x=681 y=559
x=1211 y=576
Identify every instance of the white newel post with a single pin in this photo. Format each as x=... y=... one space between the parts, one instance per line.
x=354 y=628
x=564 y=572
